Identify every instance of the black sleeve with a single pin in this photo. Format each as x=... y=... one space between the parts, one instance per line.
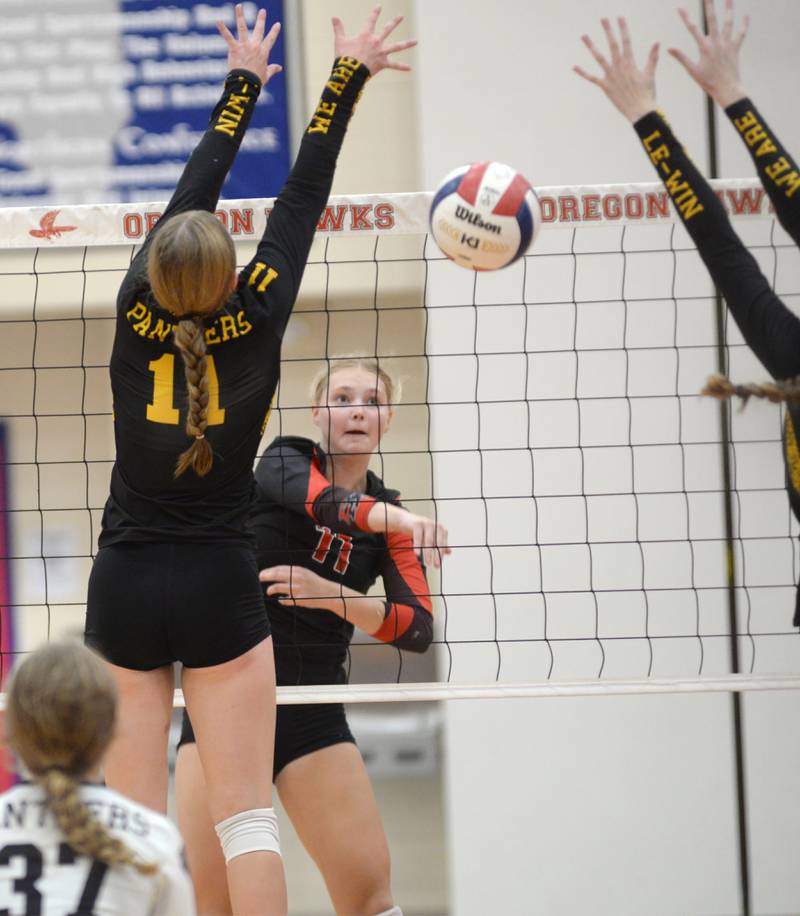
x=205 y=171
x=277 y=267
x=288 y=475
x=776 y=168
x=771 y=330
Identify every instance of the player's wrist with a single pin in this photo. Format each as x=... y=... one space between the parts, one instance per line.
x=639 y=108
x=729 y=95
x=245 y=73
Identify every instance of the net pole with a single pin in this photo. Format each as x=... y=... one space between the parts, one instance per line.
x=727 y=481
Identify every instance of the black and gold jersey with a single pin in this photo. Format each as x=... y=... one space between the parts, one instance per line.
x=243 y=339
x=770 y=328
x=301 y=518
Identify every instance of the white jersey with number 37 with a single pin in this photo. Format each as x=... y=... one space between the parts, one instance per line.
x=40 y=875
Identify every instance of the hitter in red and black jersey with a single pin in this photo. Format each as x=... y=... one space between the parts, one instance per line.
x=768 y=326
x=302 y=521
x=326 y=528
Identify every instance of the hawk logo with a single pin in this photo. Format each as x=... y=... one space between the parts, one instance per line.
x=47 y=227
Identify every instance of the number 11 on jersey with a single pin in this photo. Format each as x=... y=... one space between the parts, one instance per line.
x=162 y=410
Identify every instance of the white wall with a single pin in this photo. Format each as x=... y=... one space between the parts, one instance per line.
x=605 y=806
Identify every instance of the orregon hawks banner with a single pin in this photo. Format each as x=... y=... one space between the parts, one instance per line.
x=103 y=100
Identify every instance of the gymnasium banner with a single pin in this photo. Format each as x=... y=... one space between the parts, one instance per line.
x=103 y=100
x=572 y=207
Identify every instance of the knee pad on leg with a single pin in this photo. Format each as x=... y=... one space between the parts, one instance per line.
x=395 y=911
x=249 y=831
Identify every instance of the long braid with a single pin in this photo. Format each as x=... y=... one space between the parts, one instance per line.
x=82 y=830
x=191 y=342
x=782 y=390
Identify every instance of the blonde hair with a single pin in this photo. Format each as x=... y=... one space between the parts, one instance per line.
x=782 y=390
x=321 y=381
x=190 y=265
x=60 y=711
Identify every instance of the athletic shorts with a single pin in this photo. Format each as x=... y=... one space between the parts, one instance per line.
x=299 y=730
x=153 y=604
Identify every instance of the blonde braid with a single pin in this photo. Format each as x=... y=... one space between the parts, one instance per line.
x=191 y=342
x=782 y=390
x=84 y=833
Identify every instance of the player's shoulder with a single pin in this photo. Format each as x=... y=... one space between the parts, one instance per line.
x=378 y=490
x=287 y=447
x=290 y=445
x=284 y=456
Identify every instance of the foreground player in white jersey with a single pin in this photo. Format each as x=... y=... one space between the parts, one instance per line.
x=69 y=845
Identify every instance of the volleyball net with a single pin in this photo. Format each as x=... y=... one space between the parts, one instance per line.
x=550 y=418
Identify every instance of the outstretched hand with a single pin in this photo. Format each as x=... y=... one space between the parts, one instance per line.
x=251 y=50
x=631 y=90
x=368 y=47
x=717 y=68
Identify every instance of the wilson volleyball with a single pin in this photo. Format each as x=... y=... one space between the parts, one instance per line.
x=484 y=216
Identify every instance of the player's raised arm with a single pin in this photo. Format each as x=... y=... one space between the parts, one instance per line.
x=249 y=69
x=281 y=256
x=717 y=72
x=769 y=327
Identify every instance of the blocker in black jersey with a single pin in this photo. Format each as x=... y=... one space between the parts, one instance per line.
x=301 y=519
x=146 y=504
x=769 y=327
x=243 y=340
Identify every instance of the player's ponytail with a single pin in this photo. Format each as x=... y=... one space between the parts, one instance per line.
x=81 y=829
x=191 y=266
x=60 y=710
x=720 y=387
x=191 y=342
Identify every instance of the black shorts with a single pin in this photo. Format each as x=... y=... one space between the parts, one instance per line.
x=153 y=604
x=299 y=730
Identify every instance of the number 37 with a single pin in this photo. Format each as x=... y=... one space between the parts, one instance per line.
x=162 y=410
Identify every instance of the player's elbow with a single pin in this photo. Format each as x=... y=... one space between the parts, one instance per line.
x=419 y=636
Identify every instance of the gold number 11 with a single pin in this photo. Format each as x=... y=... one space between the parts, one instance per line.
x=161 y=410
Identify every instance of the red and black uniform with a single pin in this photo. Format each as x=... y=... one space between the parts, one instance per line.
x=769 y=327
x=301 y=518
x=175 y=578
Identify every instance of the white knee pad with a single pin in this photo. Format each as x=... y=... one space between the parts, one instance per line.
x=249 y=831
x=395 y=911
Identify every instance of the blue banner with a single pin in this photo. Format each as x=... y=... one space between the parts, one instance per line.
x=103 y=100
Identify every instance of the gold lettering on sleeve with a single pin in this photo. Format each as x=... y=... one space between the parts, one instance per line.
x=231 y=115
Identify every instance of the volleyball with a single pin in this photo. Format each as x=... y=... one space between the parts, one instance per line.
x=485 y=215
